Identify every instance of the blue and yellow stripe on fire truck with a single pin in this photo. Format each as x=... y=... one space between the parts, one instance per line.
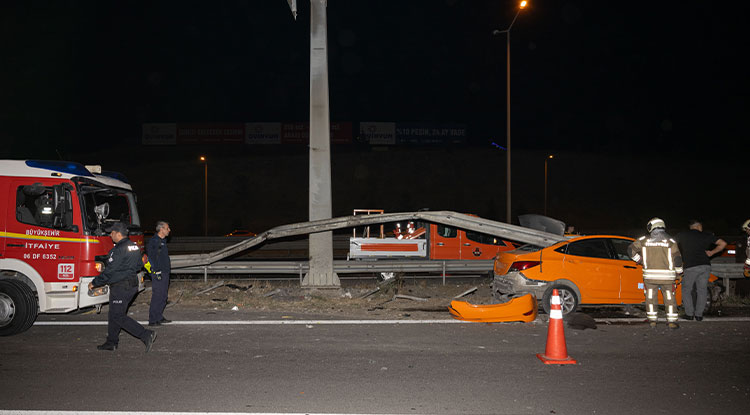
x=47 y=238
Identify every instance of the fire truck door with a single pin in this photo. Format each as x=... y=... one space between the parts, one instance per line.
x=31 y=235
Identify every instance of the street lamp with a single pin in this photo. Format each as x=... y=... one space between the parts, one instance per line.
x=521 y=6
x=546 y=159
x=205 y=195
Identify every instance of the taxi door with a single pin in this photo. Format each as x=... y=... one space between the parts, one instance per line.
x=589 y=264
x=631 y=275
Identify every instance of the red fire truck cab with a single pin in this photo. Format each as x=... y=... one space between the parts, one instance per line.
x=53 y=217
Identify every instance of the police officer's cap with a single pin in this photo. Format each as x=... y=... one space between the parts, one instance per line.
x=118 y=227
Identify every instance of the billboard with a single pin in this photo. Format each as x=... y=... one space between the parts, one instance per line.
x=263 y=133
x=210 y=133
x=378 y=133
x=428 y=133
x=299 y=133
x=159 y=134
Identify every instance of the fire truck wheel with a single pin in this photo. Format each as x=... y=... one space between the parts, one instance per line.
x=18 y=307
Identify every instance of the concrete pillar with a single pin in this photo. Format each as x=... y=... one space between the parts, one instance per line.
x=321 y=273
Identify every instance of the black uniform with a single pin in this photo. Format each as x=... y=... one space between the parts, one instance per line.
x=121 y=274
x=158 y=256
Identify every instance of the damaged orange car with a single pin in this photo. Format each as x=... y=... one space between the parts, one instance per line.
x=588 y=270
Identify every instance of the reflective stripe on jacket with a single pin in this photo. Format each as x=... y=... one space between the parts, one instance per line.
x=658 y=254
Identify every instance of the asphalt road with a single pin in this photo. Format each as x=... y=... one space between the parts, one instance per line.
x=437 y=368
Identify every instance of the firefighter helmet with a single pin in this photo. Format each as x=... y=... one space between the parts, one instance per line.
x=655 y=223
x=746 y=225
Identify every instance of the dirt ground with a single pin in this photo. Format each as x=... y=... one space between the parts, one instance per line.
x=363 y=299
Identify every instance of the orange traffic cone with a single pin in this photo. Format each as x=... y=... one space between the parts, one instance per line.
x=556 y=352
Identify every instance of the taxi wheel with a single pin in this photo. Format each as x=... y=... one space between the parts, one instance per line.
x=568 y=298
x=18 y=307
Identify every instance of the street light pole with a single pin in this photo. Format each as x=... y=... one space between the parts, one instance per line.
x=508 y=215
x=205 y=195
x=546 y=159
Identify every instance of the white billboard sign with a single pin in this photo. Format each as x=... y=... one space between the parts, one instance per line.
x=378 y=133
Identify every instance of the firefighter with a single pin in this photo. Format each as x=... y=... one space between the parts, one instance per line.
x=746 y=229
x=660 y=257
x=121 y=274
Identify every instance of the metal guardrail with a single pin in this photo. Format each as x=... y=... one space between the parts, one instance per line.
x=458 y=220
x=339 y=266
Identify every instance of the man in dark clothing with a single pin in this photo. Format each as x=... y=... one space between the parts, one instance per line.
x=697 y=248
x=121 y=274
x=158 y=256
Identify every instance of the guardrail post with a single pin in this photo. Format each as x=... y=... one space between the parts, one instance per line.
x=443 y=272
x=205 y=273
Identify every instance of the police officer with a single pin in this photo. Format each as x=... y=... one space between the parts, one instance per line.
x=158 y=257
x=660 y=257
x=746 y=229
x=120 y=273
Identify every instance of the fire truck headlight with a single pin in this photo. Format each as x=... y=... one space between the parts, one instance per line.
x=99 y=291
x=99 y=266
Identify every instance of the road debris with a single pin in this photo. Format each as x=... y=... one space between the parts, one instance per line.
x=409 y=297
x=272 y=293
x=580 y=321
x=467 y=292
x=369 y=293
x=237 y=287
x=213 y=287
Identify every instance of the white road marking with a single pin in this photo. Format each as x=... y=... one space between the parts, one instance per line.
x=8 y=412
x=353 y=322
x=256 y=322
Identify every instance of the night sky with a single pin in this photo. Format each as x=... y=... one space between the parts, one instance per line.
x=665 y=79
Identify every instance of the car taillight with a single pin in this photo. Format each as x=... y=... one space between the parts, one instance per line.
x=522 y=265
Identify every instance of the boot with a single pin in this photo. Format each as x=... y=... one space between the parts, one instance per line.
x=149 y=340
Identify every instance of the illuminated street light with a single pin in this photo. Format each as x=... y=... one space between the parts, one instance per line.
x=521 y=6
x=205 y=195
x=546 y=159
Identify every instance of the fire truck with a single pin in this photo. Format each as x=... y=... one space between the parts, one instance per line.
x=417 y=239
x=53 y=221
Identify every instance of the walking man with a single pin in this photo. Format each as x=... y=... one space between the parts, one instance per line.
x=121 y=274
x=697 y=248
x=660 y=257
x=158 y=256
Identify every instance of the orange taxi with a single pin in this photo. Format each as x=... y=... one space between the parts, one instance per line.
x=591 y=270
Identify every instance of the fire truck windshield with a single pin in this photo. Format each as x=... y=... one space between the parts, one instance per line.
x=103 y=205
